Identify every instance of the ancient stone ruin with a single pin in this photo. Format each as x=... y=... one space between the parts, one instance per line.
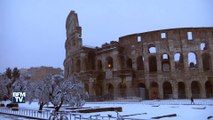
x=165 y=64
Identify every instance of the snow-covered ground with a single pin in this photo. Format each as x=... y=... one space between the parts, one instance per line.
x=152 y=108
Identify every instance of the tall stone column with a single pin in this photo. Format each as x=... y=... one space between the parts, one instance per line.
x=116 y=64
x=104 y=63
x=202 y=90
x=146 y=64
x=83 y=64
x=160 y=87
x=134 y=61
x=188 y=90
x=175 y=90
x=172 y=62
x=200 y=61
x=185 y=61
x=211 y=54
x=91 y=87
x=159 y=65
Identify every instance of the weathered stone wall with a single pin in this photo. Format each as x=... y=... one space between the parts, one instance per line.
x=170 y=63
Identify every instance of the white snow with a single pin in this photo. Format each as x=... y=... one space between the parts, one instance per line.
x=184 y=110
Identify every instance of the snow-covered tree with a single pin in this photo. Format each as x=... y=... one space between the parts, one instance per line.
x=3 y=91
x=20 y=85
x=59 y=91
x=69 y=91
x=11 y=78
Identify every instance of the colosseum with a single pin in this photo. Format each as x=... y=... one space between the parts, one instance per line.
x=163 y=64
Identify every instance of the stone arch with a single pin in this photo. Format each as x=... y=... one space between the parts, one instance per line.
x=206 y=58
x=86 y=86
x=167 y=90
x=165 y=62
x=129 y=63
x=154 y=91
x=192 y=59
x=140 y=63
x=195 y=89
x=99 y=65
x=178 y=59
x=152 y=49
x=181 y=90
x=152 y=63
x=122 y=89
x=109 y=62
x=209 y=88
x=78 y=65
x=91 y=60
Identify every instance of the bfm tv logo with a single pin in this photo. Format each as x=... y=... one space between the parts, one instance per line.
x=19 y=97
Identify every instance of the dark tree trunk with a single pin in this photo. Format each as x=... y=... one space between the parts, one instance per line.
x=41 y=107
x=58 y=107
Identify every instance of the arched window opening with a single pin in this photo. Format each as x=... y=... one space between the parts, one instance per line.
x=167 y=90
x=140 y=63
x=91 y=61
x=109 y=62
x=165 y=57
x=152 y=64
x=192 y=60
x=195 y=89
x=129 y=63
x=203 y=46
x=209 y=89
x=206 y=61
x=165 y=62
x=181 y=90
x=99 y=65
x=154 y=92
x=178 y=58
x=152 y=49
x=78 y=66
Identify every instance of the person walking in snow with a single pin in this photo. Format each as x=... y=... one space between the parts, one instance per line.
x=192 y=100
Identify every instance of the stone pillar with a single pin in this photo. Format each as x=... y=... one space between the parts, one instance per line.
x=211 y=56
x=185 y=62
x=160 y=87
x=188 y=89
x=172 y=62
x=91 y=87
x=116 y=64
x=159 y=65
x=104 y=64
x=202 y=90
x=200 y=61
x=146 y=64
x=83 y=64
x=134 y=61
x=175 y=90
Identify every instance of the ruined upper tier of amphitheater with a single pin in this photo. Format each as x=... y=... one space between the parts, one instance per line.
x=166 y=64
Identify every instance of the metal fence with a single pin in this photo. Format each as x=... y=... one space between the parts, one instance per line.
x=62 y=115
